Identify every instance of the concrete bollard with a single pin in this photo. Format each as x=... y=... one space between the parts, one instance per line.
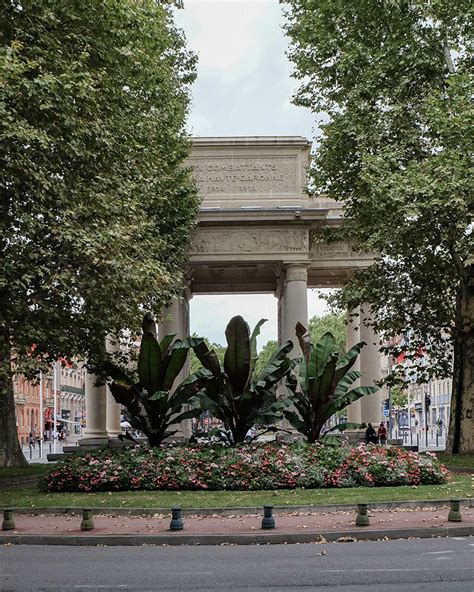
x=176 y=520
x=8 y=520
x=268 y=521
x=362 y=518
x=87 y=520
x=455 y=512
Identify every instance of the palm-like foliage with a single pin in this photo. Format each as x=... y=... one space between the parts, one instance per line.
x=323 y=384
x=234 y=393
x=151 y=405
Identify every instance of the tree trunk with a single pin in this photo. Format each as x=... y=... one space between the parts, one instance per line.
x=10 y=451
x=461 y=428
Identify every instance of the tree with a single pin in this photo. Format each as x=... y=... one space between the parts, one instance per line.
x=329 y=323
x=267 y=353
x=322 y=386
x=399 y=396
x=234 y=392
x=96 y=207
x=391 y=83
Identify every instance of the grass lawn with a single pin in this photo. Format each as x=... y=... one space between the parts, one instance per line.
x=461 y=486
x=36 y=469
x=456 y=460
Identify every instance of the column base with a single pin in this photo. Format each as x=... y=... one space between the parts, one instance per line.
x=91 y=441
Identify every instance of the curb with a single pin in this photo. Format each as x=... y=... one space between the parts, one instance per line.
x=273 y=538
x=233 y=511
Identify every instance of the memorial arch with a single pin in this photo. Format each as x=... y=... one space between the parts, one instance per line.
x=257 y=233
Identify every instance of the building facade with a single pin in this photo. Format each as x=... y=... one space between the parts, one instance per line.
x=35 y=403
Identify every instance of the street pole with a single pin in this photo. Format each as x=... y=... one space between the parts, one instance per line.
x=55 y=404
x=41 y=420
x=390 y=419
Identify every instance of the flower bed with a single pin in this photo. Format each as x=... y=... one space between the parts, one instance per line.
x=250 y=467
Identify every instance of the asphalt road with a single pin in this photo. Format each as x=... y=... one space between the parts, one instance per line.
x=434 y=565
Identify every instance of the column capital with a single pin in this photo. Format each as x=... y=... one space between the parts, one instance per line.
x=296 y=272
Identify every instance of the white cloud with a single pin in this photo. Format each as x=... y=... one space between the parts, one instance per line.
x=244 y=85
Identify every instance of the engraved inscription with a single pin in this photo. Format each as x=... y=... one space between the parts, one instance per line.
x=245 y=175
x=331 y=250
x=250 y=241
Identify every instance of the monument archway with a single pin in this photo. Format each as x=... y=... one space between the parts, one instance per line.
x=258 y=232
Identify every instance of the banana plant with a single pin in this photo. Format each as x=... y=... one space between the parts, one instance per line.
x=152 y=405
x=323 y=384
x=232 y=392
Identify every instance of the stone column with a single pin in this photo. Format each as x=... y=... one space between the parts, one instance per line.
x=113 y=415
x=176 y=321
x=353 y=338
x=95 y=432
x=112 y=407
x=294 y=307
x=370 y=367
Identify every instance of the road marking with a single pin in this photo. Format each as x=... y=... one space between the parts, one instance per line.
x=103 y=586
x=437 y=552
x=390 y=569
x=186 y=573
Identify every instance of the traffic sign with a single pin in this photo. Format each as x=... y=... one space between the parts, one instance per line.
x=385 y=412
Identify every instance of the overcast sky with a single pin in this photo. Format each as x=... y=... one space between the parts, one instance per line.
x=244 y=87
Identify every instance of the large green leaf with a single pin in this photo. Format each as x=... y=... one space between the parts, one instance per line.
x=322 y=386
x=174 y=364
x=323 y=351
x=149 y=363
x=208 y=358
x=346 y=361
x=165 y=344
x=345 y=382
x=296 y=421
x=304 y=340
x=116 y=373
x=253 y=345
x=158 y=396
x=353 y=395
x=237 y=355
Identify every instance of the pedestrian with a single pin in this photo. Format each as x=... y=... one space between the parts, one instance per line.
x=382 y=434
x=370 y=435
x=31 y=440
x=440 y=423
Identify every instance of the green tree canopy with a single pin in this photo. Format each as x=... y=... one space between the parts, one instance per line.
x=391 y=84
x=333 y=323
x=96 y=207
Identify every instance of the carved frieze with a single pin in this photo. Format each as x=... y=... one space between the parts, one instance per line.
x=251 y=174
x=250 y=241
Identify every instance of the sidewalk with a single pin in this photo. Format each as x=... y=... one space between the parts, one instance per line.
x=291 y=527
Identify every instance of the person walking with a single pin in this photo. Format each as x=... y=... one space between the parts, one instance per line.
x=31 y=440
x=382 y=434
